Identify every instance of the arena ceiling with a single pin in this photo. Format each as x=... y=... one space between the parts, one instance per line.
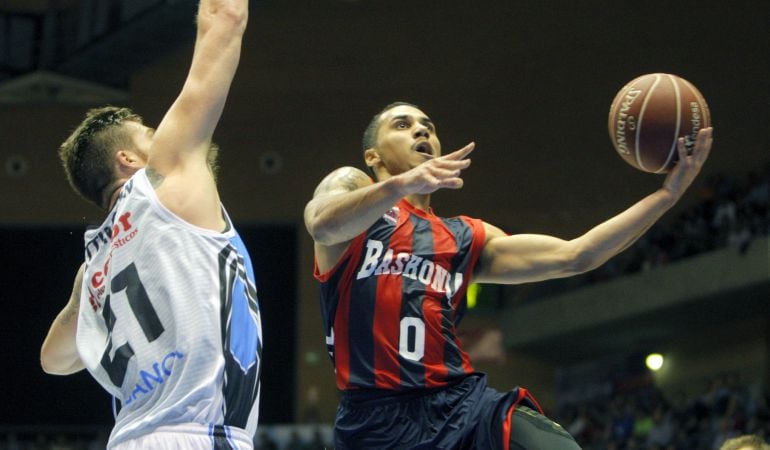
x=76 y=49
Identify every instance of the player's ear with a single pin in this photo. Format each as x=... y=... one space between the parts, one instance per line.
x=128 y=158
x=371 y=157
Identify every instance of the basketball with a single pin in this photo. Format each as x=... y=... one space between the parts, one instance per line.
x=649 y=114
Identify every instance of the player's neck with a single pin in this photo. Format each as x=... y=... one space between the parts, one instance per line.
x=116 y=189
x=419 y=201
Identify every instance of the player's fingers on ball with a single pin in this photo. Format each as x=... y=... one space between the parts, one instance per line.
x=681 y=148
x=705 y=140
x=706 y=136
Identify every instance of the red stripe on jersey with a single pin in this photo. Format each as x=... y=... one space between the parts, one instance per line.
x=522 y=394
x=387 y=315
x=433 y=360
x=507 y=420
x=386 y=330
x=444 y=248
x=477 y=246
x=341 y=347
x=342 y=316
x=507 y=427
x=467 y=367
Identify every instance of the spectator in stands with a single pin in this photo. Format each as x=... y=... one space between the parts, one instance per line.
x=662 y=431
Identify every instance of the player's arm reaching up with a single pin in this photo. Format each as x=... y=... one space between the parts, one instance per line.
x=59 y=356
x=527 y=257
x=177 y=163
x=347 y=202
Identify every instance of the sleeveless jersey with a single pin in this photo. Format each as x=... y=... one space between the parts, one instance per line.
x=169 y=322
x=391 y=305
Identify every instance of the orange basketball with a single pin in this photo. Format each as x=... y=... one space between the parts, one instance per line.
x=648 y=116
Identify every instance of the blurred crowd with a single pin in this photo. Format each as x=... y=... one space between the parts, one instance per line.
x=647 y=420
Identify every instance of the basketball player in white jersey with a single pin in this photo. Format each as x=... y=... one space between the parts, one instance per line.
x=164 y=310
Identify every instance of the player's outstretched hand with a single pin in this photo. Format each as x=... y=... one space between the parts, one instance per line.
x=442 y=172
x=689 y=164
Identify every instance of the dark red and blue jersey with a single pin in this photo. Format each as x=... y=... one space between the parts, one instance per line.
x=392 y=303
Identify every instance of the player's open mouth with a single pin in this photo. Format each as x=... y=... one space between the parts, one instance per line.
x=424 y=148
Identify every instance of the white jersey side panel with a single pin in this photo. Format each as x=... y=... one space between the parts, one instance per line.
x=169 y=322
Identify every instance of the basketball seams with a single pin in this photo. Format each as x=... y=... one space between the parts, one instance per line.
x=672 y=150
x=639 y=122
x=647 y=117
x=614 y=111
x=704 y=107
x=615 y=107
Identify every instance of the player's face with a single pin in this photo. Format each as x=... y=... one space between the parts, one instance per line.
x=406 y=138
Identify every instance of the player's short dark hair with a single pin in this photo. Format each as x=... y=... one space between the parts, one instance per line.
x=370 y=134
x=87 y=154
x=753 y=441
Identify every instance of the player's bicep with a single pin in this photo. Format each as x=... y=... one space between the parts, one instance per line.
x=183 y=136
x=524 y=258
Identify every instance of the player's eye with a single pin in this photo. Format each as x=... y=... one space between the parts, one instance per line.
x=402 y=125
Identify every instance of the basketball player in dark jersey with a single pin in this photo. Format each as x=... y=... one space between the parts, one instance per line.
x=393 y=282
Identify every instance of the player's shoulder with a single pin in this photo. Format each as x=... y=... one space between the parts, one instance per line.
x=489 y=231
x=351 y=174
x=345 y=178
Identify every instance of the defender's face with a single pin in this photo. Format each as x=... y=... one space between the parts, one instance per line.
x=406 y=138
x=142 y=136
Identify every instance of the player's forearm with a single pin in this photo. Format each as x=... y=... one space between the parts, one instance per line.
x=229 y=13
x=609 y=238
x=337 y=218
x=59 y=355
x=221 y=25
x=189 y=124
x=615 y=235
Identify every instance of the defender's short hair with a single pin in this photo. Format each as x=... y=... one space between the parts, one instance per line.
x=87 y=154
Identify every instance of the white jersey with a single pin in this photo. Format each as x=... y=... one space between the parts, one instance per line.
x=169 y=322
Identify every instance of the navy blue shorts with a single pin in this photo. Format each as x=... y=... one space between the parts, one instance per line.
x=466 y=415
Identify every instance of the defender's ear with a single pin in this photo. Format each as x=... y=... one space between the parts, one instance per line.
x=129 y=159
